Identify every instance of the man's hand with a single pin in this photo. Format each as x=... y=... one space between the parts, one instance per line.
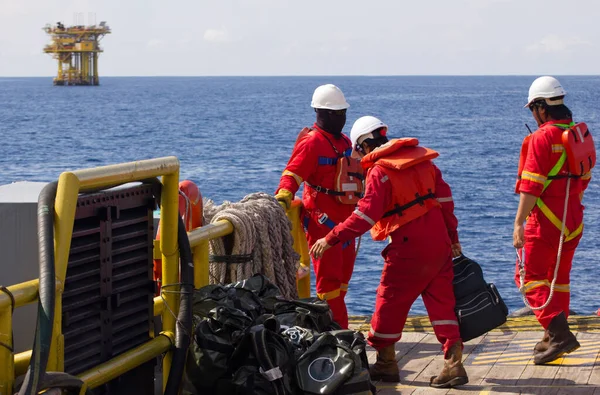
x=285 y=197
x=518 y=236
x=456 y=250
x=319 y=248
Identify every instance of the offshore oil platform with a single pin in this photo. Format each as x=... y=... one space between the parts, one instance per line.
x=77 y=49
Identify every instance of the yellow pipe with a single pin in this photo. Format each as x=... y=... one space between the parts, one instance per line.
x=159 y=306
x=201 y=264
x=22 y=362
x=131 y=359
x=24 y=294
x=106 y=176
x=210 y=231
x=7 y=370
x=300 y=246
x=199 y=238
x=169 y=215
x=65 y=206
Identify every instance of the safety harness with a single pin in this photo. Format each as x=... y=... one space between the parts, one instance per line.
x=584 y=164
x=348 y=177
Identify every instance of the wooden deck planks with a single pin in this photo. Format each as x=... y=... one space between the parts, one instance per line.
x=576 y=368
x=500 y=362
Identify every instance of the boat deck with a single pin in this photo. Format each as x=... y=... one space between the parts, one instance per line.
x=500 y=362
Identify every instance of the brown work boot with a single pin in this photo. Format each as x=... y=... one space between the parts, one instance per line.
x=386 y=367
x=542 y=345
x=562 y=341
x=453 y=373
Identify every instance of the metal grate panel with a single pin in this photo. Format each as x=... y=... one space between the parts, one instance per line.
x=109 y=290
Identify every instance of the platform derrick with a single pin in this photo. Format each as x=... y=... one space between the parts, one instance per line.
x=77 y=49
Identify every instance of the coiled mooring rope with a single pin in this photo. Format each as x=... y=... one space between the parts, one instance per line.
x=262 y=243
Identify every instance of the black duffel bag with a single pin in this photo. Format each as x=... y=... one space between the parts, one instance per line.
x=214 y=342
x=309 y=313
x=479 y=306
x=210 y=297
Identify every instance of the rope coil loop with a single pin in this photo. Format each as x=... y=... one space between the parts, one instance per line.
x=261 y=242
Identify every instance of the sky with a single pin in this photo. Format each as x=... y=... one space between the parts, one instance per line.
x=310 y=37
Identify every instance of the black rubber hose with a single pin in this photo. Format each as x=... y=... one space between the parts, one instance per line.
x=47 y=288
x=184 y=319
x=183 y=329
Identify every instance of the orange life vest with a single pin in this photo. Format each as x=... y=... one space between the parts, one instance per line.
x=579 y=150
x=579 y=145
x=349 y=175
x=409 y=168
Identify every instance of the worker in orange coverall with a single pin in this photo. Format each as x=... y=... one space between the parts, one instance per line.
x=542 y=182
x=407 y=200
x=314 y=162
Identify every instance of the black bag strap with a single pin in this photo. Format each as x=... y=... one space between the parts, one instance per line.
x=266 y=365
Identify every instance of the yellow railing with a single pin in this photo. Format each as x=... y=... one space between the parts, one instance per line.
x=69 y=186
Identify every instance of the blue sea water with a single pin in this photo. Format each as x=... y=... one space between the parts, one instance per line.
x=233 y=136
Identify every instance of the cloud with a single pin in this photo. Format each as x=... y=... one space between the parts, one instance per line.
x=216 y=35
x=553 y=44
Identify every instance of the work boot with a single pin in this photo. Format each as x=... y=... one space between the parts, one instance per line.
x=542 y=345
x=453 y=373
x=562 y=341
x=386 y=367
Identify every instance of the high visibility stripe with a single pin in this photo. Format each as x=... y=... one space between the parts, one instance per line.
x=296 y=176
x=536 y=284
x=364 y=216
x=444 y=322
x=526 y=175
x=384 y=179
x=554 y=171
x=385 y=335
x=557 y=222
x=564 y=125
x=344 y=287
x=329 y=295
x=558 y=148
x=575 y=233
x=562 y=287
x=445 y=199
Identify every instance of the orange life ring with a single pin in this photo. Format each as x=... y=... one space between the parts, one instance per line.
x=190 y=209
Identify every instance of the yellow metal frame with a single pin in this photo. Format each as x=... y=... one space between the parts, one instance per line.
x=301 y=247
x=69 y=186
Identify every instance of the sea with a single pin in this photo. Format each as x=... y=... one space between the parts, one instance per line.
x=234 y=135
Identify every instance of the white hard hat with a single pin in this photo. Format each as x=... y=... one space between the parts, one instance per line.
x=329 y=97
x=363 y=129
x=545 y=87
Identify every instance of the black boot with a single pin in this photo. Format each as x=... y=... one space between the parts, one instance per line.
x=562 y=341
x=542 y=345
